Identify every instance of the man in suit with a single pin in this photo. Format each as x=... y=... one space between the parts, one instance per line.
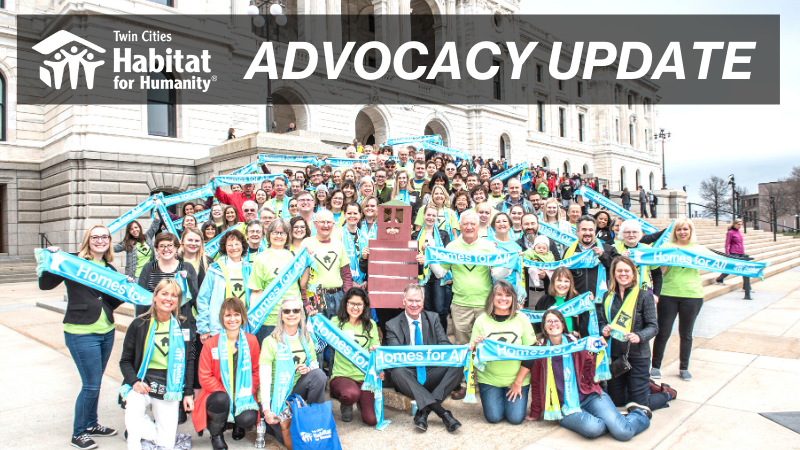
x=530 y=230
x=406 y=329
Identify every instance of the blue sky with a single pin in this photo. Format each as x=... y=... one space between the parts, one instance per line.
x=756 y=143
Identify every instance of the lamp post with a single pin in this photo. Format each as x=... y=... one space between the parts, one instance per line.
x=774 y=218
x=663 y=136
x=275 y=8
x=732 y=183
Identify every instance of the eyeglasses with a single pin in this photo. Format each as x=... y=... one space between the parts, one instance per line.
x=305 y=200
x=355 y=305
x=249 y=210
x=327 y=222
x=278 y=233
x=292 y=311
x=164 y=247
x=300 y=228
x=552 y=322
x=103 y=238
x=630 y=232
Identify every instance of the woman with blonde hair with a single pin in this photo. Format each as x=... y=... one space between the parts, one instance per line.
x=551 y=217
x=157 y=366
x=288 y=365
x=405 y=192
x=682 y=297
x=447 y=220
x=88 y=332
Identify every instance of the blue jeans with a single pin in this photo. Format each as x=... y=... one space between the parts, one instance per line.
x=437 y=300
x=496 y=405
x=332 y=302
x=599 y=416
x=263 y=332
x=90 y=353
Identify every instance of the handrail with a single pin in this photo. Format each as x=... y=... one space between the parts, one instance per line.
x=774 y=225
x=43 y=241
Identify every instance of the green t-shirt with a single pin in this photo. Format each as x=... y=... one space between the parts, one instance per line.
x=681 y=281
x=517 y=330
x=143 y=255
x=445 y=214
x=341 y=366
x=267 y=266
x=236 y=288
x=471 y=284
x=492 y=200
x=161 y=351
x=330 y=258
x=269 y=350
x=570 y=320
x=101 y=326
x=417 y=184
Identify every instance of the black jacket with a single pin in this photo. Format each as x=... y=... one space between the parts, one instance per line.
x=397 y=331
x=651 y=238
x=445 y=240
x=83 y=303
x=191 y=281
x=658 y=278
x=557 y=257
x=133 y=352
x=384 y=195
x=582 y=319
x=586 y=279
x=645 y=325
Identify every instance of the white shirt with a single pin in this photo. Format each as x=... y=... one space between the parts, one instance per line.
x=412 y=330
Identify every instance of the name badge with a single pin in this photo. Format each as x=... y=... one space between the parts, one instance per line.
x=215 y=353
x=186 y=334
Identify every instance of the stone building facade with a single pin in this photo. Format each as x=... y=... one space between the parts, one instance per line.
x=63 y=168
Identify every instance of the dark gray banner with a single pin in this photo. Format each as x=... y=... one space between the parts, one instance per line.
x=400 y=60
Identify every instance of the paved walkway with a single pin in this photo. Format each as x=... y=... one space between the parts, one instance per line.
x=746 y=361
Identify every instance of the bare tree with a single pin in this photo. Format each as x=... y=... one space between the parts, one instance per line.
x=780 y=192
x=715 y=193
x=793 y=190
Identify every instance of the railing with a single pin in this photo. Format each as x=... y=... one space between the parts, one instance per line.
x=43 y=241
x=745 y=218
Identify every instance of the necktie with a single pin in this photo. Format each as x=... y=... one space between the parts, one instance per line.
x=418 y=341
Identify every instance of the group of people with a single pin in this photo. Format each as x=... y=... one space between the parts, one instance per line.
x=201 y=304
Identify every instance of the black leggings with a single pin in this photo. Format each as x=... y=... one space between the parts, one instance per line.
x=686 y=310
x=219 y=403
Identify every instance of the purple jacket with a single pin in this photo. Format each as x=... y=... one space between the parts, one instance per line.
x=734 y=242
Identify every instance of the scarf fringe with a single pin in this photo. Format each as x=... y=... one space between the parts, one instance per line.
x=124 y=390
x=382 y=425
x=173 y=396
x=568 y=411
x=40 y=261
x=470 y=398
x=553 y=415
x=246 y=407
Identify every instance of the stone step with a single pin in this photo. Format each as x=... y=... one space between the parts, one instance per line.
x=734 y=283
x=123 y=316
x=708 y=278
x=18 y=277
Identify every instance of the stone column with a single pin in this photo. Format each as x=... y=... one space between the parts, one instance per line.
x=334 y=22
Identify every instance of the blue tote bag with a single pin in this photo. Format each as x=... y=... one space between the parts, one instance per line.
x=312 y=426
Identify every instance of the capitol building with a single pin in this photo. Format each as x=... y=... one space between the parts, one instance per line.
x=66 y=167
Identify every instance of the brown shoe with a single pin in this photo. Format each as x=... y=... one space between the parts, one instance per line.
x=459 y=393
x=654 y=388
x=665 y=388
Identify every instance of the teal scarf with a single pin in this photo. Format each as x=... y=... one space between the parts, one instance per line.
x=176 y=361
x=283 y=212
x=241 y=395
x=283 y=379
x=369 y=232
x=572 y=402
x=353 y=251
x=261 y=308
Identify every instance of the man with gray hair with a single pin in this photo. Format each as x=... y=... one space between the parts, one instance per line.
x=428 y=386
x=254 y=234
x=471 y=284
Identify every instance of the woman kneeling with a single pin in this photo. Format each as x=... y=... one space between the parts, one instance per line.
x=587 y=410
x=288 y=351
x=157 y=364
x=228 y=378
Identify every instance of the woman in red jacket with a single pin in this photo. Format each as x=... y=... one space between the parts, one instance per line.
x=589 y=411
x=223 y=378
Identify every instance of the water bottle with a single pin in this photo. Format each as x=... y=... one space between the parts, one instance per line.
x=261 y=431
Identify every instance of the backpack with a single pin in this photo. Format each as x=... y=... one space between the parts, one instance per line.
x=655 y=200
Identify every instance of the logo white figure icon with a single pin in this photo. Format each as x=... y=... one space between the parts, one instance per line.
x=70 y=58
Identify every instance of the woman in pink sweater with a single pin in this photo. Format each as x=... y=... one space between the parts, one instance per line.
x=734 y=244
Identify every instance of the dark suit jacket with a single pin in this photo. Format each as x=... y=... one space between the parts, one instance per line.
x=397 y=330
x=556 y=256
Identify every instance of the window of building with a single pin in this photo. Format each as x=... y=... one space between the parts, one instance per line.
x=566 y=167
x=2 y=108
x=631 y=132
x=545 y=162
x=540 y=116
x=585 y=168
x=562 y=122
x=560 y=85
x=616 y=130
x=497 y=87
x=638 y=178
x=652 y=181
x=371 y=23
x=370 y=61
x=539 y=73
x=646 y=139
x=580 y=88
x=502 y=147
x=161 y=108
x=581 y=120
x=630 y=101
x=622 y=183
x=169 y=3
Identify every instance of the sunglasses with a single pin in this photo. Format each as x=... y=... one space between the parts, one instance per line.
x=292 y=311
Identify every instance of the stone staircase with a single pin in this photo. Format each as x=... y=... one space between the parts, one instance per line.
x=781 y=255
x=17 y=269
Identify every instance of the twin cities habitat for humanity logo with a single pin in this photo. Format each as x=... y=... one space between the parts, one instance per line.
x=69 y=53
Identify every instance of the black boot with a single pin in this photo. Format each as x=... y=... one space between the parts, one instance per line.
x=238 y=433
x=216 y=424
